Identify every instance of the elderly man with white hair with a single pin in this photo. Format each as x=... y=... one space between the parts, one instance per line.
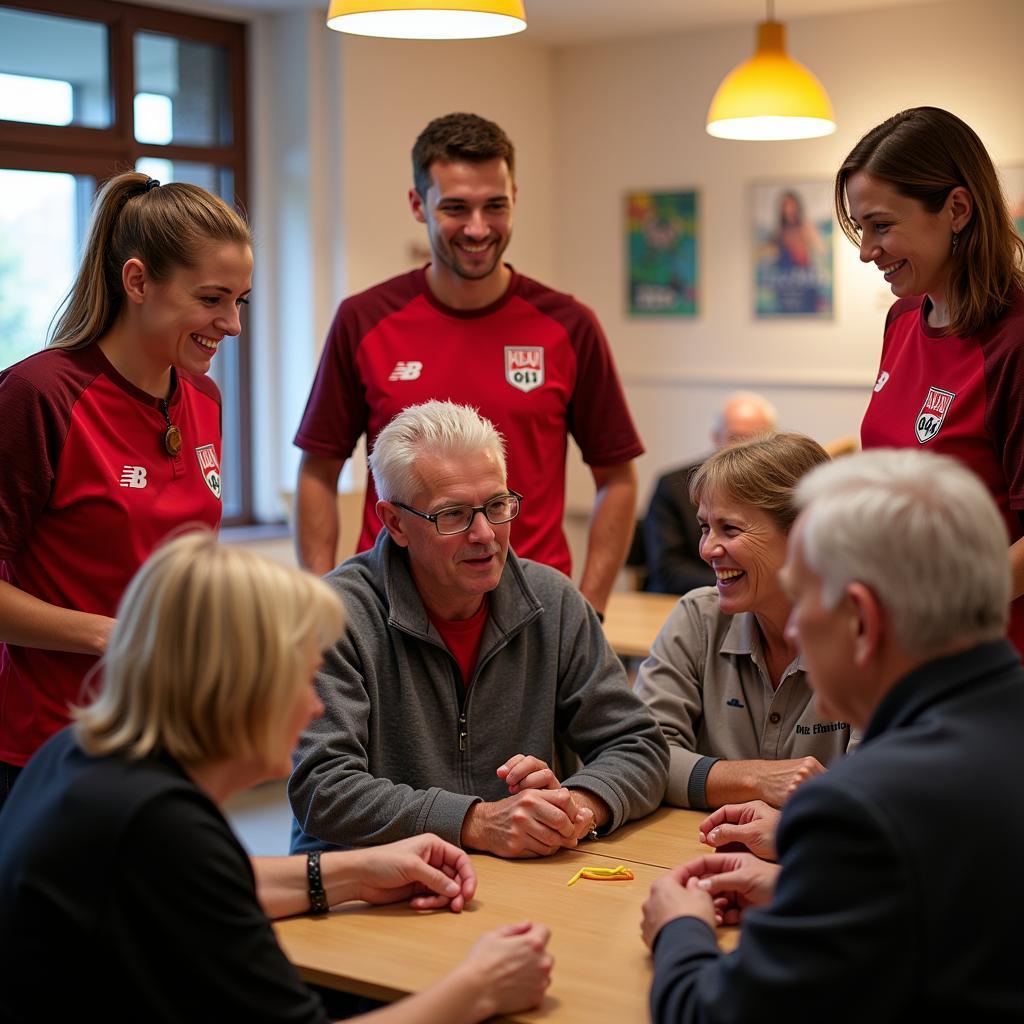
x=881 y=906
x=464 y=670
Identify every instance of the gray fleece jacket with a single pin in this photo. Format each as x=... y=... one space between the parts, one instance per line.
x=403 y=747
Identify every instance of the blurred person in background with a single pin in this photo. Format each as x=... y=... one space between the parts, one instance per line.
x=670 y=531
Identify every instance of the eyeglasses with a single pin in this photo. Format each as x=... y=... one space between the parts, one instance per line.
x=458 y=519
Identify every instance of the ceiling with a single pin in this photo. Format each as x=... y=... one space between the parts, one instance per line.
x=577 y=21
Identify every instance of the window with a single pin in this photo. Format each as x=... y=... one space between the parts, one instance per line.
x=89 y=88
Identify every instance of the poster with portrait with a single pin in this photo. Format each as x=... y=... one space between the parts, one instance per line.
x=661 y=230
x=1013 y=186
x=793 y=273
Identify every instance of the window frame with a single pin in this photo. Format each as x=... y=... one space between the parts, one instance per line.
x=103 y=152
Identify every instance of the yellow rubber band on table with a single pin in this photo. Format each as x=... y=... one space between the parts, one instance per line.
x=619 y=873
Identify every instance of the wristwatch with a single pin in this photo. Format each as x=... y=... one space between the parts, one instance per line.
x=317 y=896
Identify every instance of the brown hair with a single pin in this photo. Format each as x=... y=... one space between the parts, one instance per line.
x=164 y=226
x=453 y=137
x=762 y=472
x=206 y=654
x=924 y=153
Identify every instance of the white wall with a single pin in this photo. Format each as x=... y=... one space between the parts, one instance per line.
x=392 y=88
x=630 y=116
x=296 y=184
x=334 y=118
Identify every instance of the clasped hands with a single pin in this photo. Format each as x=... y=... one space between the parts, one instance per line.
x=717 y=888
x=538 y=818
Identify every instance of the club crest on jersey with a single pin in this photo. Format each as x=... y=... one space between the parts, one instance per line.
x=210 y=467
x=524 y=367
x=933 y=412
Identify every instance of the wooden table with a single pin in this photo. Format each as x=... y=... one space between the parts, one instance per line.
x=602 y=968
x=663 y=839
x=633 y=618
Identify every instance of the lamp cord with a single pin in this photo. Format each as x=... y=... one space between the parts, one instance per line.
x=771 y=9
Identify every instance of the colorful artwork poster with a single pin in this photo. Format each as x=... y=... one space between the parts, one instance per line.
x=1013 y=186
x=793 y=274
x=662 y=233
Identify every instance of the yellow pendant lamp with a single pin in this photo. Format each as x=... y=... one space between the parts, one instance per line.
x=427 y=19
x=771 y=96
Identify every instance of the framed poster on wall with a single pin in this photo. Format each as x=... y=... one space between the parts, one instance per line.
x=793 y=265
x=1013 y=185
x=661 y=233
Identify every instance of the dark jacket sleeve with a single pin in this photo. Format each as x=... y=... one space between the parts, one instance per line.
x=672 y=538
x=837 y=943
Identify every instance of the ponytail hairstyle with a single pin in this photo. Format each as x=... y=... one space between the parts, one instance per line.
x=134 y=217
x=924 y=153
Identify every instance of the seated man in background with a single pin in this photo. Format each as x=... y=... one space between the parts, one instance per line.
x=878 y=908
x=462 y=670
x=671 y=534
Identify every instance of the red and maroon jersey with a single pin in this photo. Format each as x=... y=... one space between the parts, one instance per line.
x=87 y=492
x=958 y=396
x=535 y=362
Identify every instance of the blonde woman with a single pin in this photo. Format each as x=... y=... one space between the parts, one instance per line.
x=119 y=875
x=111 y=438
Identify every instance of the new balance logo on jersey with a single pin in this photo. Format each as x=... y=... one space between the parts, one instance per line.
x=133 y=476
x=883 y=379
x=406 y=371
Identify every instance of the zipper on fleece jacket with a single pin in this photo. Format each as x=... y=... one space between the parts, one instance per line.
x=464 y=692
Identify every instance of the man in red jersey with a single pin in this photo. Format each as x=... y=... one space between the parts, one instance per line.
x=469 y=328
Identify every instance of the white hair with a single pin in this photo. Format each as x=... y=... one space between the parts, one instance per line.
x=922 y=532
x=437 y=428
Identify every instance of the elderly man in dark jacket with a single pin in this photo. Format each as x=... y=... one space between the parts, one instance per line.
x=880 y=906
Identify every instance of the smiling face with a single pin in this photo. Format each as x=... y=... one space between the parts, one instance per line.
x=910 y=246
x=746 y=549
x=185 y=318
x=452 y=573
x=468 y=214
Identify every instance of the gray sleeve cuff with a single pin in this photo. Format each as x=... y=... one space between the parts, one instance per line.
x=696 y=788
x=444 y=815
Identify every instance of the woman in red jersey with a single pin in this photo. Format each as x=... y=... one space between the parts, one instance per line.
x=921 y=198
x=111 y=438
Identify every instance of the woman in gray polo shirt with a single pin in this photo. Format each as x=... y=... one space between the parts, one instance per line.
x=726 y=686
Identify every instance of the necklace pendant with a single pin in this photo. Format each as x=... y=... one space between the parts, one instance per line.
x=172 y=440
